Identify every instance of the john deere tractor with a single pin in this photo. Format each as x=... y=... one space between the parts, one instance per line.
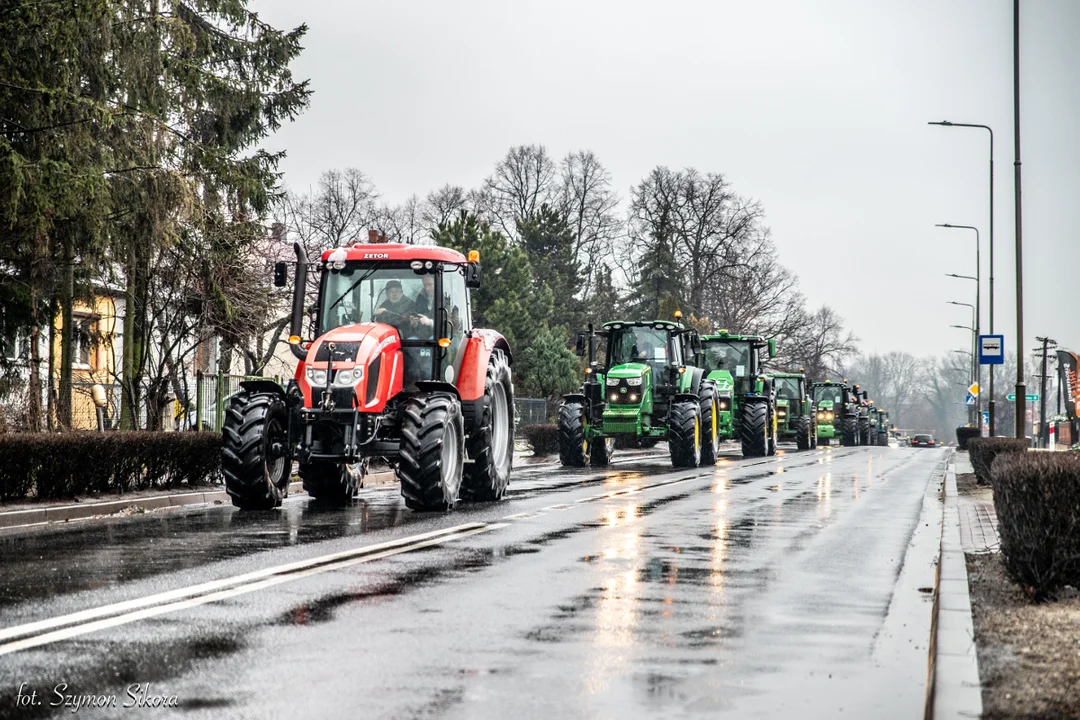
x=838 y=407
x=747 y=394
x=646 y=388
x=796 y=418
x=879 y=420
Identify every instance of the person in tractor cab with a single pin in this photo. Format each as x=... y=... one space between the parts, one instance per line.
x=395 y=306
x=422 y=308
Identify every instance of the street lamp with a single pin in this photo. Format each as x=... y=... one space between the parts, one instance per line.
x=946 y=123
x=974 y=358
x=978 y=308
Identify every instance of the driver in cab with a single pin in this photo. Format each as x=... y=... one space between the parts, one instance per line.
x=394 y=306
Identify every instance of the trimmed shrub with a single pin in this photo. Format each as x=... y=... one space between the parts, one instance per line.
x=964 y=434
x=59 y=465
x=543 y=438
x=982 y=452
x=1037 y=497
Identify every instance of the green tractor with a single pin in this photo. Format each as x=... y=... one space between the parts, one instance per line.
x=838 y=407
x=646 y=389
x=879 y=423
x=747 y=395
x=796 y=417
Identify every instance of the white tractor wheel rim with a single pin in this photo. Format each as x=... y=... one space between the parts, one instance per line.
x=500 y=434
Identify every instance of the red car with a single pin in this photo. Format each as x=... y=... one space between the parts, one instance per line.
x=923 y=441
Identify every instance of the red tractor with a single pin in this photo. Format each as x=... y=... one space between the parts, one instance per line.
x=396 y=370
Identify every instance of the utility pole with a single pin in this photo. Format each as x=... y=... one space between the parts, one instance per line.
x=1044 y=435
x=1021 y=388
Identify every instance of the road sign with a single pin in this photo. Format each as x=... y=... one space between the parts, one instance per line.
x=991 y=349
x=1033 y=397
x=970 y=401
x=974 y=389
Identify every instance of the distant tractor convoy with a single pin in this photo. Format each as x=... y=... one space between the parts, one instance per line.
x=395 y=370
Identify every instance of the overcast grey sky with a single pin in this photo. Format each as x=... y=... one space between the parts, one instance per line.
x=818 y=108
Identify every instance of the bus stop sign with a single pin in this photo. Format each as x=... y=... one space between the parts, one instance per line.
x=991 y=349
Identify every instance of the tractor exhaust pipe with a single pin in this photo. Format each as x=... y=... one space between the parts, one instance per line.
x=299 y=293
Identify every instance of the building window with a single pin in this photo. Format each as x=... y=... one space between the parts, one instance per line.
x=14 y=345
x=85 y=343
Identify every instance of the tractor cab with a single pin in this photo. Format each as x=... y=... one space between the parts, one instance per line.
x=736 y=365
x=735 y=360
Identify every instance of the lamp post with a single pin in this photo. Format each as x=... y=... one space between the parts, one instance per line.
x=974 y=357
x=1021 y=388
x=978 y=312
x=946 y=123
x=973 y=415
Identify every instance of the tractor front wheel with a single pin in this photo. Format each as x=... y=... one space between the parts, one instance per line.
x=813 y=435
x=254 y=451
x=864 y=431
x=571 y=433
x=850 y=432
x=684 y=434
x=802 y=433
x=491 y=443
x=709 y=412
x=754 y=430
x=600 y=450
x=432 y=452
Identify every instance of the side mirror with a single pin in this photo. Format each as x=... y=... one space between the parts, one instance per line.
x=582 y=345
x=281 y=274
x=472 y=275
x=772 y=347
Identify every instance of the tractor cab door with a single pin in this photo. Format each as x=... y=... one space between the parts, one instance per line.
x=455 y=321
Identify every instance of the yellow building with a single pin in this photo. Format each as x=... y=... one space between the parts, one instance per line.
x=99 y=327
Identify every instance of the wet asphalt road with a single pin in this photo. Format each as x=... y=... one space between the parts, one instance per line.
x=758 y=588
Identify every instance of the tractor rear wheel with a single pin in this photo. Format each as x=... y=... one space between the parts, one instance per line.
x=709 y=412
x=600 y=450
x=813 y=434
x=802 y=433
x=864 y=431
x=432 y=452
x=491 y=443
x=753 y=430
x=254 y=451
x=331 y=483
x=571 y=433
x=850 y=432
x=684 y=433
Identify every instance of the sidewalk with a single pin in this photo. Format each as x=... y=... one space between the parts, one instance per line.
x=954 y=673
x=978 y=520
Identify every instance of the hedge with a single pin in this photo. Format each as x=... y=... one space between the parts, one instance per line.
x=1037 y=498
x=62 y=465
x=982 y=452
x=964 y=434
x=543 y=438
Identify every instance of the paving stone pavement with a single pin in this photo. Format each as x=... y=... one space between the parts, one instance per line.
x=978 y=519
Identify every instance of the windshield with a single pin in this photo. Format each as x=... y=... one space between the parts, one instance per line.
x=730 y=355
x=787 y=387
x=833 y=393
x=367 y=292
x=640 y=345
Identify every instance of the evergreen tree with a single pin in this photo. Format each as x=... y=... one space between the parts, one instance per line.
x=549 y=243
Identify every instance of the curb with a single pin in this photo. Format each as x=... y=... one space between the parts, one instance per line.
x=955 y=689
x=16 y=519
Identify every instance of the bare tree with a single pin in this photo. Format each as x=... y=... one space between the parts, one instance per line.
x=402 y=223
x=443 y=205
x=821 y=345
x=524 y=179
x=589 y=204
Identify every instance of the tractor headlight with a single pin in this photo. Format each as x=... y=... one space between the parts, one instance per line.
x=633 y=381
x=781 y=412
x=614 y=397
x=723 y=404
x=830 y=416
x=612 y=381
x=316 y=377
x=346 y=378
x=633 y=397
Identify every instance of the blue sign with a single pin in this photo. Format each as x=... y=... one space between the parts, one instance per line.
x=970 y=400
x=991 y=349
x=986 y=417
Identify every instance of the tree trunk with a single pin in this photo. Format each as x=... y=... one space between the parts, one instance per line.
x=68 y=335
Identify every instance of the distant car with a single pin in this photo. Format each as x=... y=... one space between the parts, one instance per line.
x=894 y=442
x=923 y=441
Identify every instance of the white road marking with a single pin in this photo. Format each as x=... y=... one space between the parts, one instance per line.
x=181 y=598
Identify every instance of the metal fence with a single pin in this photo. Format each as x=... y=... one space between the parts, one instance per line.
x=531 y=411
x=84 y=413
x=212 y=393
